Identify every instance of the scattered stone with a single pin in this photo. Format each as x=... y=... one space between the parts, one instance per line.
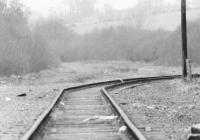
x=8 y=99
x=174 y=111
x=148 y=129
x=163 y=107
x=55 y=89
x=195 y=129
x=122 y=129
x=151 y=107
x=21 y=109
x=139 y=105
x=22 y=95
x=41 y=97
x=123 y=103
x=105 y=72
x=62 y=103
x=190 y=106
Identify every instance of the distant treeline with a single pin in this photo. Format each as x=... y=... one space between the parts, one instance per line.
x=24 y=49
x=129 y=43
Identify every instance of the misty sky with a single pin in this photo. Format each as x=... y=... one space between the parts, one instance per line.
x=43 y=7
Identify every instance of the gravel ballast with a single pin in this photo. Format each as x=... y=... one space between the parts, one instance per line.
x=170 y=107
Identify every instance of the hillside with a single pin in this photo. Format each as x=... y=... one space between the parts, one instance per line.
x=163 y=20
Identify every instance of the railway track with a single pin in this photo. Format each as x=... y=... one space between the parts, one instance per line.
x=88 y=112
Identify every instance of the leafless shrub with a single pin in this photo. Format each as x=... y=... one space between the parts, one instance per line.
x=21 y=52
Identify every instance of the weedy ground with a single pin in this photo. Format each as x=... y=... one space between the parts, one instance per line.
x=17 y=113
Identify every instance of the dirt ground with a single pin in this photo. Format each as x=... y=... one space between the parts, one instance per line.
x=17 y=113
x=170 y=106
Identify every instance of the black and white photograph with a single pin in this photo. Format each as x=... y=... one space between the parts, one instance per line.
x=99 y=69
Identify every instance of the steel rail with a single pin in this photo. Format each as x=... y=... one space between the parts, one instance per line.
x=123 y=115
x=44 y=115
x=105 y=92
x=113 y=84
x=131 y=81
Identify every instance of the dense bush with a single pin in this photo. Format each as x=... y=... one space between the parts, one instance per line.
x=118 y=43
x=21 y=50
x=129 y=43
x=170 y=49
x=25 y=50
x=56 y=35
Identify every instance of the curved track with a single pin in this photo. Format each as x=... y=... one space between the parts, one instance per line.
x=89 y=112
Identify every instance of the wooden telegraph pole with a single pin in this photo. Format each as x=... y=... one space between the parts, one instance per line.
x=184 y=37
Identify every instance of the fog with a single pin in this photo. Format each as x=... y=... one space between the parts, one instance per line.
x=37 y=35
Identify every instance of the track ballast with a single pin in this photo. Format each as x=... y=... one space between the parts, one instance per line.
x=87 y=112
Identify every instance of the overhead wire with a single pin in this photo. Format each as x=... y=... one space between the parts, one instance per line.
x=132 y=17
